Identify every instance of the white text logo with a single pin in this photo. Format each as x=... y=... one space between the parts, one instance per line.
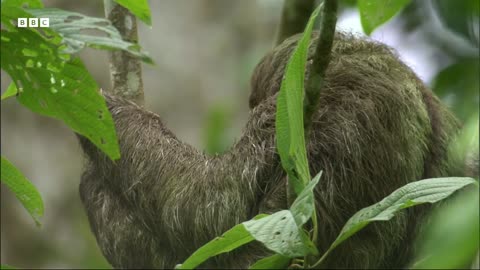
x=33 y=22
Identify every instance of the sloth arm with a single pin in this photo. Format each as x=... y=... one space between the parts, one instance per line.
x=165 y=195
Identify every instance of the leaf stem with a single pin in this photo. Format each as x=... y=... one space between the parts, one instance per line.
x=321 y=59
x=315 y=82
x=320 y=260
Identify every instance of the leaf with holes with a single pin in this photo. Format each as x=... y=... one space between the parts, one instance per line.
x=419 y=192
x=280 y=233
x=374 y=13
x=25 y=192
x=289 y=117
x=78 y=31
x=139 y=8
x=49 y=85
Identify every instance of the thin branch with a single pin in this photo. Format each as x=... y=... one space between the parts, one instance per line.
x=295 y=16
x=125 y=69
x=315 y=82
x=321 y=59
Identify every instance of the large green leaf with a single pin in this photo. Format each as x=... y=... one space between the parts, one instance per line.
x=139 y=8
x=4 y=266
x=456 y=227
x=25 y=192
x=276 y=261
x=50 y=85
x=289 y=117
x=415 y=193
x=374 y=13
x=78 y=31
x=230 y=240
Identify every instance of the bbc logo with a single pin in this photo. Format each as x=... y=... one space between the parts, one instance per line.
x=33 y=22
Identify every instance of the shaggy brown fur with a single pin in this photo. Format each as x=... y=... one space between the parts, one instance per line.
x=377 y=129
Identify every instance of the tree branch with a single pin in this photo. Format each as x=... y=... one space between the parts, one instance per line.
x=321 y=59
x=125 y=69
x=295 y=16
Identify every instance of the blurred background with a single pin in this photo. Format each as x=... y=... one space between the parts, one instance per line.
x=205 y=51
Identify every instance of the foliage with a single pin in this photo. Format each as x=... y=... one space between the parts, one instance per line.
x=456 y=227
x=139 y=8
x=25 y=192
x=10 y=92
x=282 y=231
x=289 y=118
x=374 y=13
x=73 y=26
x=48 y=81
x=276 y=261
x=415 y=193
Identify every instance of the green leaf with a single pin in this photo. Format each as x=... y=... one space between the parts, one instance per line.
x=463 y=147
x=415 y=193
x=22 y=3
x=289 y=117
x=457 y=85
x=23 y=189
x=4 y=266
x=230 y=240
x=303 y=206
x=276 y=261
x=49 y=85
x=280 y=233
x=11 y=11
x=374 y=13
x=10 y=92
x=139 y=8
x=77 y=31
x=456 y=227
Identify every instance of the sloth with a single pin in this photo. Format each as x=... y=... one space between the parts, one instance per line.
x=378 y=127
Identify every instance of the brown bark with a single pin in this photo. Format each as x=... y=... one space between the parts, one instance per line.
x=125 y=69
